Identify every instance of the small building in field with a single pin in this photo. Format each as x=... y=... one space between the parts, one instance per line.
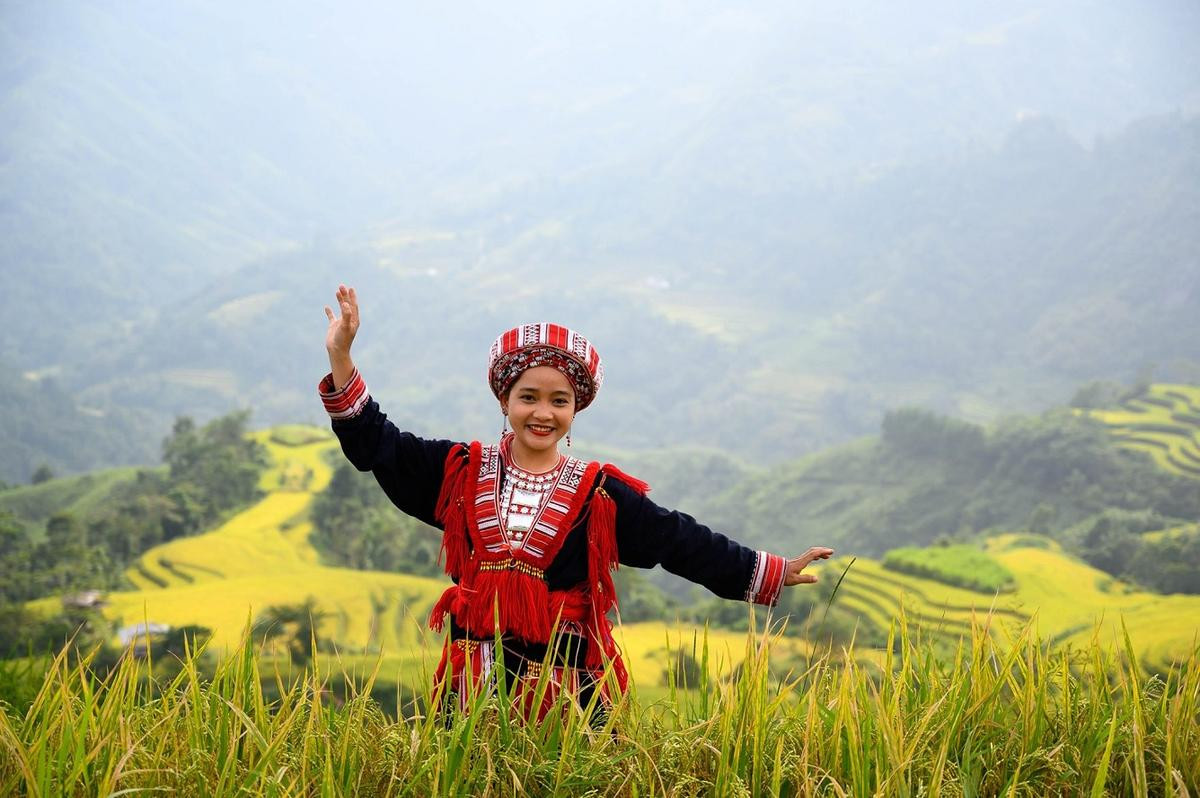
x=84 y=600
x=138 y=637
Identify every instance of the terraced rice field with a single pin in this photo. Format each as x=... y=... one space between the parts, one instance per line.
x=262 y=557
x=1164 y=422
x=1069 y=602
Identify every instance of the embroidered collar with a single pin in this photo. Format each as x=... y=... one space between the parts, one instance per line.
x=548 y=526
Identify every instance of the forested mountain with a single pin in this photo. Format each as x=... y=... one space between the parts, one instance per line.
x=43 y=425
x=776 y=222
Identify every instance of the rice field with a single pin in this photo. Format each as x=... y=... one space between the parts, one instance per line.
x=1164 y=422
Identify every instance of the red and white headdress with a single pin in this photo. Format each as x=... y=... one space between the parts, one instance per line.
x=546 y=344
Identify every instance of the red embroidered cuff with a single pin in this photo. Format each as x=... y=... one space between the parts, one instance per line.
x=767 y=581
x=347 y=402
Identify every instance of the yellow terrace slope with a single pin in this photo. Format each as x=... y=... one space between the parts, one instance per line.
x=1068 y=601
x=1164 y=422
x=262 y=557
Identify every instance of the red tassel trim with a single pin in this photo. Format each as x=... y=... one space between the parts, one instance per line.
x=514 y=592
x=520 y=601
x=451 y=512
x=449 y=602
x=610 y=470
x=602 y=550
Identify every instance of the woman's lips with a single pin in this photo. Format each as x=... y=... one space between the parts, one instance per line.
x=540 y=431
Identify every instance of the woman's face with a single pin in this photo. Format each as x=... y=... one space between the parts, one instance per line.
x=540 y=407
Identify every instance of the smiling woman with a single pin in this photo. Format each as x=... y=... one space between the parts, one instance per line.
x=531 y=536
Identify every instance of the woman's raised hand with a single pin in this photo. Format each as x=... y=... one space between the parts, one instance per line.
x=793 y=576
x=340 y=336
x=343 y=328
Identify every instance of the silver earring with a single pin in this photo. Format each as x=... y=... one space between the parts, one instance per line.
x=504 y=425
x=568 y=440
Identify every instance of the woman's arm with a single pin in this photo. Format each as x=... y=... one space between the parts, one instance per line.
x=408 y=468
x=649 y=535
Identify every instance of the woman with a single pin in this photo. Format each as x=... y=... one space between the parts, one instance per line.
x=530 y=536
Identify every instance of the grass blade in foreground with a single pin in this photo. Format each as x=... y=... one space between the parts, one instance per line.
x=1012 y=718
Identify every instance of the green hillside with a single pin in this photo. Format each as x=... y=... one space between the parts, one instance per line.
x=79 y=495
x=930 y=478
x=44 y=424
x=786 y=330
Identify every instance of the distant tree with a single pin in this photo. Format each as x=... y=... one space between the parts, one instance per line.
x=12 y=537
x=296 y=625
x=1042 y=518
x=356 y=526
x=1110 y=544
x=920 y=433
x=684 y=671
x=211 y=469
x=1097 y=395
x=16 y=554
x=23 y=632
x=43 y=473
x=641 y=600
x=180 y=642
x=63 y=531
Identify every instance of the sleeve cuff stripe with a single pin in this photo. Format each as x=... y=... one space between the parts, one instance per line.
x=767 y=581
x=347 y=402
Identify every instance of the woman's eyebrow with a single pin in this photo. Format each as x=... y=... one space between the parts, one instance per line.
x=556 y=392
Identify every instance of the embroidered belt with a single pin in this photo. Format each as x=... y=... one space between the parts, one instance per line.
x=570 y=650
x=468 y=645
x=509 y=564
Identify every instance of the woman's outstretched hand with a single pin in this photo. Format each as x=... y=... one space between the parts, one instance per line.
x=340 y=335
x=792 y=574
x=343 y=328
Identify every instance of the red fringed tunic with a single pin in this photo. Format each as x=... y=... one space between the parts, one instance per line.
x=554 y=588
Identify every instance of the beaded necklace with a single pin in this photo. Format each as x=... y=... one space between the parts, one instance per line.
x=523 y=498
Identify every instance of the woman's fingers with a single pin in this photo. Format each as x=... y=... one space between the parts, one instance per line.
x=347 y=303
x=329 y=313
x=816 y=553
x=793 y=574
x=347 y=300
x=795 y=566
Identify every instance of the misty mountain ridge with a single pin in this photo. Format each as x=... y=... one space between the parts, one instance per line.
x=151 y=148
x=970 y=286
x=775 y=227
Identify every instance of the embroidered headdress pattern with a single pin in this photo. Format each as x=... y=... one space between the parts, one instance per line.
x=546 y=344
